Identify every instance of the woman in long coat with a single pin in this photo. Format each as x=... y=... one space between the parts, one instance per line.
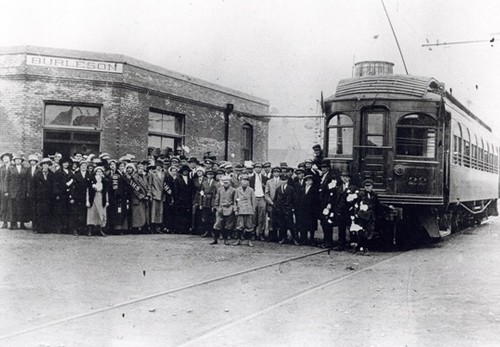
x=63 y=186
x=97 y=202
x=43 y=191
x=198 y=181
x=140 y=196
x=168 y=204
x=118 y=200
x=156 y=180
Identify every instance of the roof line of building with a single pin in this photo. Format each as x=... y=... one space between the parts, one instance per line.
x=120 y=58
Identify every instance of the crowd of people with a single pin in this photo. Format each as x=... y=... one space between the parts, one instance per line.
x=243 y=202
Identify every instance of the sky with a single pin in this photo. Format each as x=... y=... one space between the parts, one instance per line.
x=287 y=52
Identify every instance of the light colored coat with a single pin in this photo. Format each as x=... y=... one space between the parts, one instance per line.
x=270 y=192
x=156 y=181
x=245 y=201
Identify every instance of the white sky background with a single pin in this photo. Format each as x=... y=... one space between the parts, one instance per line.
x=283 y=51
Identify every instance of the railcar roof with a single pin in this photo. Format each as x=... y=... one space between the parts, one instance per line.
x=391 y=86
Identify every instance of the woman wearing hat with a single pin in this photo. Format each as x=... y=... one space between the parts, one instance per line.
x=198 y=180
x=30 y=202
x=43 y=191
x=168 y=207
x=78 y=198
x=157 y=181
x=118 y=198
x=63 y=187
x=140 y=197
x=17 y=188
x=6 y=159
x=97 y=202
x=183 y=200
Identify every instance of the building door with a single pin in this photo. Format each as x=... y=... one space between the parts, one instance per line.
x=373 y=147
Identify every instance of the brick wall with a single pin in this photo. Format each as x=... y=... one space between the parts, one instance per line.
x=125 y=101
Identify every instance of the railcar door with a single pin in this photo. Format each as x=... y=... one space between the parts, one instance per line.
x=373 y=147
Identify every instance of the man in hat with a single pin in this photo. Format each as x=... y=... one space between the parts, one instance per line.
x=183 y=200
x=258 y=183
x=224 y=206
x=347 y=196
x=318 y=155
x=307 y=210
x=245 y=210
x=266 y=166
x=271 y=185
x=193 y=164
x=284 y=206
x=208 y=192
x=17 y=188
x=5 y=208
x=209 y=163
x=43 y=191
x=32 y=170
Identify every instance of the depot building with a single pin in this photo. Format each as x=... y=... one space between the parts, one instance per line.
x=73 y=101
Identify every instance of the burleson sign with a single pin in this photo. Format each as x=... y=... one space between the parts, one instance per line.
x=78 y=64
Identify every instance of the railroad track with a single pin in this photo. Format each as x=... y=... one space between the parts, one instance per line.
x=222 y=326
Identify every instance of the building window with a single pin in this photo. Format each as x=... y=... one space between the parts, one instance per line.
x=340 y=136
x=166 y=133
x=71 y=128
x=72 y=115
x=247 y=143
x=416 y=136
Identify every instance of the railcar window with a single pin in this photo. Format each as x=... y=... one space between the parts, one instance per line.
x=481 y=156
x=416 y=136
x=466 y=154
x=374 y=132
x=340 y=135
x=474 y=153
x=457 y=144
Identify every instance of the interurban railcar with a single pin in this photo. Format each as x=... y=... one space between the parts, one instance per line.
x=425 y=151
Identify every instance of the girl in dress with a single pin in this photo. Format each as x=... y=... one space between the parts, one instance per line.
x=97 y=202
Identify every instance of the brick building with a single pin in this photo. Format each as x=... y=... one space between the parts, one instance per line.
x=67 y=100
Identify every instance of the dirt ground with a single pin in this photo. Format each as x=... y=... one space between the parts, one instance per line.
x=170 y=290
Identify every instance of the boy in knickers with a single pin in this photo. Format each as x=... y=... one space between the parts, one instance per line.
x=224 y=207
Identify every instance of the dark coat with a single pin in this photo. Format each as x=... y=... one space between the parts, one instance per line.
x=81 y=186
x=307 y=209
x=118 y=195
x=285 y=200
x=43 y=194
x=17 y=182
x=197 y=187
x=209 y=192
x=183 y=192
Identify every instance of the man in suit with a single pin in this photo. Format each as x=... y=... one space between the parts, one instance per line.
x=4 y=199
x=271 y=185
x=31 y=203
x=258 y=183
x=284 y=206
x=43 y=191
x=17 y=189
x=307 y=209
x=328 y=199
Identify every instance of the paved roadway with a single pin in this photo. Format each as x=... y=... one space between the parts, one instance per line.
x=171 y=290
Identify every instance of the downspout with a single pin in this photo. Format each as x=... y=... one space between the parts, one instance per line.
x=227 y=112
